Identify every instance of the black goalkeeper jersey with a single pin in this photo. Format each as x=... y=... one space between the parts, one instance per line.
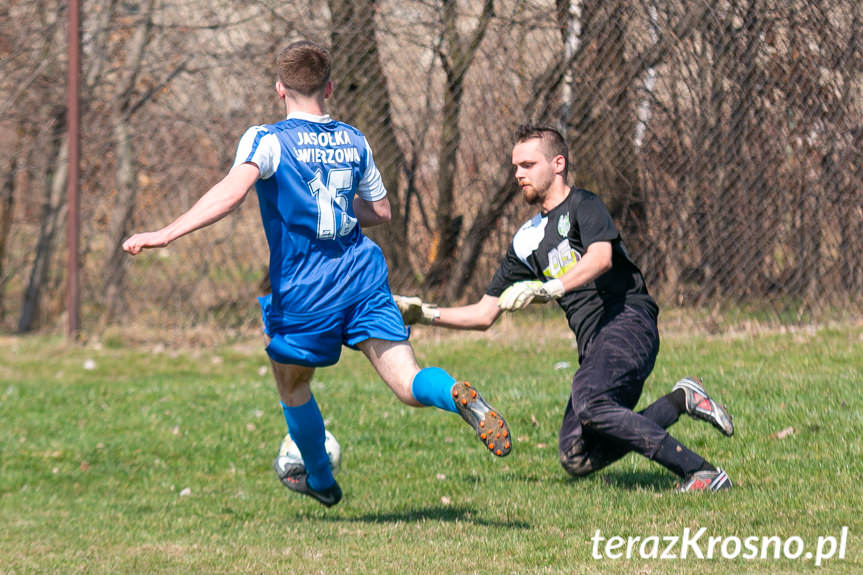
x=550 y=244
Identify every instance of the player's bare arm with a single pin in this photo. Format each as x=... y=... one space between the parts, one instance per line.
x=219 y=201
x=372 y=213
x=476 y=316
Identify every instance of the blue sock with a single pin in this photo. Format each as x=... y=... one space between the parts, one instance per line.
x=433 y=386
x=307 y=430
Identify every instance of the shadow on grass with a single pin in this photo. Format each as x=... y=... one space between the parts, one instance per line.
x=657 y=481
x=443 y=513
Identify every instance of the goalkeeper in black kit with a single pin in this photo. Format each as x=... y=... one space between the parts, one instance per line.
x=572 y=252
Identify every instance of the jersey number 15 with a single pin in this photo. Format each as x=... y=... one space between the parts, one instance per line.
x=336 y=192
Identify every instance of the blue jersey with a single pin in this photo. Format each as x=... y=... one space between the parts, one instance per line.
x=311 y=168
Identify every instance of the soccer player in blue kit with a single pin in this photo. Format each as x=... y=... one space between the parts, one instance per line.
x=572 y=252
x=317 y=187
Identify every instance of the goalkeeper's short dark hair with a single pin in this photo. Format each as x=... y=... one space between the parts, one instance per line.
x=553 y=143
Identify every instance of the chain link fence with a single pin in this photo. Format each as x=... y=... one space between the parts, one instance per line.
x=725 y=137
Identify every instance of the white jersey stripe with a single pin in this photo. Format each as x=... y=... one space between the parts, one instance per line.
x=527 y=238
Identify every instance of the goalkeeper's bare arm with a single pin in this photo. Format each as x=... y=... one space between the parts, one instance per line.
x=478 y=316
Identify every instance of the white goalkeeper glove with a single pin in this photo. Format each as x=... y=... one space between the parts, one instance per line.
x=520 y=294
x=415 y=311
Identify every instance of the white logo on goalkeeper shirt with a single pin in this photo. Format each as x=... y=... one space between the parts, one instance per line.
x=563 y=225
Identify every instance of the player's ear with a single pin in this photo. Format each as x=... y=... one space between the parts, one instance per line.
x=280 y=89
x=328 y=90
x=558 y=164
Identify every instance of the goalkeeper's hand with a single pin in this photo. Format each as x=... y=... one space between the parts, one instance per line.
x=415 y=311
x=520 y=294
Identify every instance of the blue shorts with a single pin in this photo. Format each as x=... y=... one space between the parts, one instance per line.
x=316 y=340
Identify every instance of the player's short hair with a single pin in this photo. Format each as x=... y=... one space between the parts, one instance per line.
x=553 y=143
x=304 y=67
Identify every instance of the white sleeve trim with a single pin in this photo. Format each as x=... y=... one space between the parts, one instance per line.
x=371 y=187
x=262 y=150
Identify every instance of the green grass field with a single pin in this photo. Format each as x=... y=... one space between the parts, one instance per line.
x=141 y=459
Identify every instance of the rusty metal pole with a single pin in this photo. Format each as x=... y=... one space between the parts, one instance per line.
x=74 y=169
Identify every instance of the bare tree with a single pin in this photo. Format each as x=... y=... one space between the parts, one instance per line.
x=126 y=102
x=53 y=210
x=456 y=55
x=7 y=205
x=362 y=98
x=725 y=137
x=542 y=104
x=47 y=125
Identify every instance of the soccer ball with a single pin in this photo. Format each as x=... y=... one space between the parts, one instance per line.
x=289 y=457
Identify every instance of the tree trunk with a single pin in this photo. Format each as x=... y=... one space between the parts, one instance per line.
x=542 y=109
x=456 y=59
x=568 y=13
x=448 y=223
x=361 y=98
x=125 y=175
x=606 y=128
x=847 y=181
x=7 y=205
x=53 y=210
x=120 y=220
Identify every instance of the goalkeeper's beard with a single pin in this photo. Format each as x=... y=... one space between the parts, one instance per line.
x=529 y=194
x=534 y=194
